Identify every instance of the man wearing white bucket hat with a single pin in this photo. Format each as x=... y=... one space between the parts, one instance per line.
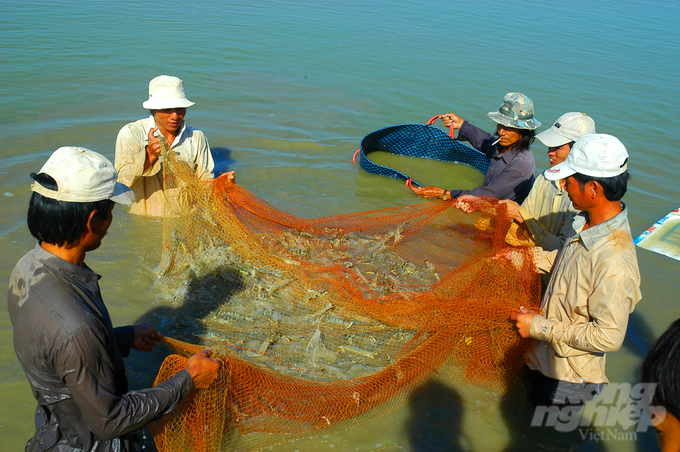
x=547 y=213
x=63 y=335
x=138 y=146
x=512 y=167
x=595 y=281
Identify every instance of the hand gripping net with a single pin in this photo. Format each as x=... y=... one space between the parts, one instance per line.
x=322 y=322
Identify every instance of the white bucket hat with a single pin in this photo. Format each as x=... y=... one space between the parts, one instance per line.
x=594 y=155
x=82 y=175
x=166 y=91
x=516 y=111
x=568 y=127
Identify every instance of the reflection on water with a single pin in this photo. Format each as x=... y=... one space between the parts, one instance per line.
x=446 y=175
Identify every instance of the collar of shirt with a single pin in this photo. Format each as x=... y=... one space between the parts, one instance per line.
x=591 y=236
x=508 y=155
x=558 y=186
x=178 y=138
x=83 y=274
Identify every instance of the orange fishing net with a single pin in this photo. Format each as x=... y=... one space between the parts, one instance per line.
x=322 y=322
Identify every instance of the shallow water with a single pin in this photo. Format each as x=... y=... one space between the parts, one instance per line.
x=285 y=90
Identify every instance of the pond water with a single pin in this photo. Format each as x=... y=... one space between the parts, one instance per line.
x=286 y=90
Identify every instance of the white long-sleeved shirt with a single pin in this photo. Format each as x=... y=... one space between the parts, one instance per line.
x=190 y=144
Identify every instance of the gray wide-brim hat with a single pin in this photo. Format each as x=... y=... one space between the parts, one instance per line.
x=516 y=111
x=166 y=91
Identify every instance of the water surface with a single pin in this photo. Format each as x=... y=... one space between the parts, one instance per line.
x=285 y=90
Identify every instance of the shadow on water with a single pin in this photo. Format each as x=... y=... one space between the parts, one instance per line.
x=518 y=414
x=435 y=420
x=223 y=160
x=639 y=338
x=204 y=295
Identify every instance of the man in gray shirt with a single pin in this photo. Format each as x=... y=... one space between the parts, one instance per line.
x=63 y=335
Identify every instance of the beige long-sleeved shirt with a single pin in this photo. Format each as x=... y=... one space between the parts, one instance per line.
x=594 y=287
x=548 y=214
x=191 y=145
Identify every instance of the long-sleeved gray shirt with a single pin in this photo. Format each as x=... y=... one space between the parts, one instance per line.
x=510 y=174
x=73 y=359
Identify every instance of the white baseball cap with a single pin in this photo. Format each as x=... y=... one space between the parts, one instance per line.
x=569 y=127
x=166 y=91
x=82 y=175
x=594 y=155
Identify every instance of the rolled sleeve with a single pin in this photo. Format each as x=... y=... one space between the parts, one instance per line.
x=544 y=261
x=131 y=155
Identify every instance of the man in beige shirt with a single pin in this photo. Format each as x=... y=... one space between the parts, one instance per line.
x=595 y=282
x=547 y=213
x=138 y=147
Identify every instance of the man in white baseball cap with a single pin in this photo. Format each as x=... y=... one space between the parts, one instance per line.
x=547 y=213
x=63 y=335
x=568 y=128
x=595 y=281
x=94 y=181
x=138 y=146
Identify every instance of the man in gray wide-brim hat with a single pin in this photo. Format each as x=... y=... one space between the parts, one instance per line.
x=516 y=111
x=138 y=146
x=511 y=170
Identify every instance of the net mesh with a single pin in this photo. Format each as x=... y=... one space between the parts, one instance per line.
x=320 y=323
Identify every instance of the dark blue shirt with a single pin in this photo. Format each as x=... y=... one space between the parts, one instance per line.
x=511 y=173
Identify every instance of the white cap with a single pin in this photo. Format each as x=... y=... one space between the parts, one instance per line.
x=166 y=91
x=569 y=127
x=594 y=155
x=82 y=175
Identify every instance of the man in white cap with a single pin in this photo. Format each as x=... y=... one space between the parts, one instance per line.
x=63 y=335
x=511 y=171
x=138 y=147
x=595 y=281
x=547 y=213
